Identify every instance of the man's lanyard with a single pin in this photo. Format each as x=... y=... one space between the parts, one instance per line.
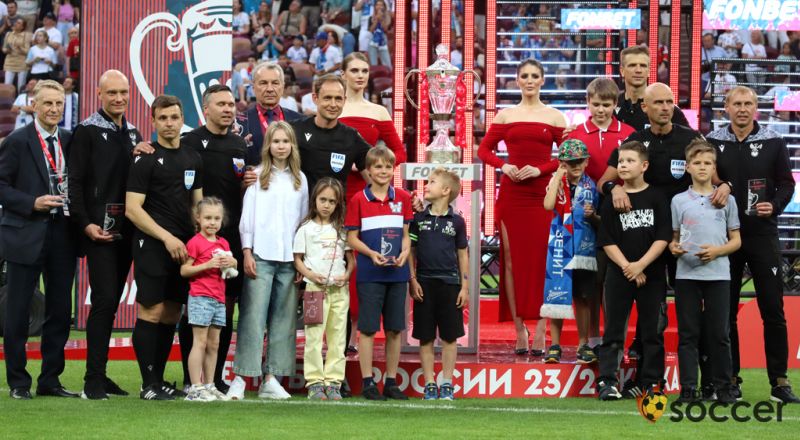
x=49 y=156
x=276 y=114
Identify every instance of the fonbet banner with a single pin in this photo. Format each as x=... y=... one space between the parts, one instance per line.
x=175 y=47
x=578 y=19
x=752 y=14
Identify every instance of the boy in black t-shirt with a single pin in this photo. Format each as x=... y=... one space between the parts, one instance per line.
x=439 y=278
x=162 y=189
x=633 y=241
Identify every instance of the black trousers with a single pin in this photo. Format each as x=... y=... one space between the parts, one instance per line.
x=57 y=263
x=109 y=264
x=620 y=295
x=702 y=308
x=763 y=257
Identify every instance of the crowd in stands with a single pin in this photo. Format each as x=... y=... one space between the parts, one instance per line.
x=39 y=40
x=309 y=39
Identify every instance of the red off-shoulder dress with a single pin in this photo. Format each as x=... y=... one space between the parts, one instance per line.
x=371 y=130
x=520 y=209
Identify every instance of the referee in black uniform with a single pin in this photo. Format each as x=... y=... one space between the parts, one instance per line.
x=745 y=151
x=102 y=148
x=162 y=189
x=224 y=155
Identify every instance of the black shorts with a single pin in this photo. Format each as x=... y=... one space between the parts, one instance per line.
x=158 y=277
x=381 y=299
x=438 y=310
x=584 y=284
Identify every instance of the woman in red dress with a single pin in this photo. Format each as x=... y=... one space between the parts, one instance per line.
x=529 y=130
x=373 y=123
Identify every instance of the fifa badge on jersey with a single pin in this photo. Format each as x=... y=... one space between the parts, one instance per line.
x=132 y=135
x=677 y=168
x=238 y=167
x=188 y=179
x=337 y=162
x=396 y=207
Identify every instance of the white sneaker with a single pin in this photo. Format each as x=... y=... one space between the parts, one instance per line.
x=218 y=395
x=198 y=393
x=236 y=391
x=272 y=389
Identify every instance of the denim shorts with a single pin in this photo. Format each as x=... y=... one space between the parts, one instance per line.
x=205 y=311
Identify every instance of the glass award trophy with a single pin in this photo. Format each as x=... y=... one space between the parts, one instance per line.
x=756 y=193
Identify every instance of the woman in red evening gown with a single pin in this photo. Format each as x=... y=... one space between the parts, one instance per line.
x=373 y=123
x=529 y=130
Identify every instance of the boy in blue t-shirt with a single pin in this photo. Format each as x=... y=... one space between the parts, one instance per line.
x=703 y=237
x=377 y=228
x=439 y=279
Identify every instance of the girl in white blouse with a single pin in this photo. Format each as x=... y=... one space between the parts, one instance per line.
x=271 y=211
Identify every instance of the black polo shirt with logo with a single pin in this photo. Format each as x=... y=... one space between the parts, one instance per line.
x=436 y=239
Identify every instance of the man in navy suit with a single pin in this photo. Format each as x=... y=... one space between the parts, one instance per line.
x=268 y=83
x=36 y=238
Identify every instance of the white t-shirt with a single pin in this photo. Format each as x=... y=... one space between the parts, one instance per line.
x=52 y=33
x=23 y=118
x=40 y=66
x=754 y=50
x=28 y=7
x=333 y=56
x=307 y=102
x=297 y=55
x=288 y=102
x=322 y=250
x=240 y=20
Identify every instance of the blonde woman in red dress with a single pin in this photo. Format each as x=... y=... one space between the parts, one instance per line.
x=374 y=123
x=529 y=130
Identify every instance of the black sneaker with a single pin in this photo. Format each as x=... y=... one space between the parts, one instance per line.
x=725 y=396
x=155 y=392
x=708 y=393
x=631 y=390
x=393 y=392
x=586 y=355
x=345 y=390
x=783 y=393
x=114 y=389
x=170 y=388
x=222 y=387
x=94 y=390
x=553 y=355
x=371 y=393
x=736 y=388
x=608 y=391
x=688 y=395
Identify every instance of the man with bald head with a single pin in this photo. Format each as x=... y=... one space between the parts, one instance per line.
x=268 y=83
x=101 y=155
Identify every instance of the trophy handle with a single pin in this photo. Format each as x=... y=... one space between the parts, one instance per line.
x=408 y=97
x=475 y=77
x=174 y=43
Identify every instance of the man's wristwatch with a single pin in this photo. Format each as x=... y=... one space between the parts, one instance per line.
x=727 y=182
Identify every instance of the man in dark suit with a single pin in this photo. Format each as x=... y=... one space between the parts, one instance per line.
x=268 y=83
x=36 y=238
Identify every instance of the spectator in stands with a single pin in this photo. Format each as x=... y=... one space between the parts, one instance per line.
x=66 y=15
x=326 y=57
x=288 y=99
x=292 y=21
x=15 y=47
x=337 y=12
x=457 y=54
x=262 y=16
x=41 y=57
x=755 y=50
x=297 y=53
x=544 y=23
x=70 y=118
x=55 y=38
x=23 y=105
x=11 y=14
x=311 y=9
x=508 y=55
x=786 y=55
x=73 y=53
x=271 y=45
x=242 y=92
x=348 y=41
x=592 y=55
x=365 y=8
x=29 y=10
x=379 y=26
x=709 y=51
x=308 y=105
x=730 y=41
x=241 y=22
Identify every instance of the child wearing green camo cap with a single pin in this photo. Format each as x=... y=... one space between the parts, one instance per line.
x=572 y=194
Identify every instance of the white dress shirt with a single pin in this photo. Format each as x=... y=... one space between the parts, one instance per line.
x=270 y=217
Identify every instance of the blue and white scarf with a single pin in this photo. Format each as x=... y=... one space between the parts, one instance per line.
x=571 y=245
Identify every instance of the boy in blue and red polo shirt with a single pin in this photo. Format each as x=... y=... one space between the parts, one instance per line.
x=377 y=228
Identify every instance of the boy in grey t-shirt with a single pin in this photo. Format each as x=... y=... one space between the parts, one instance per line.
x=703 y=237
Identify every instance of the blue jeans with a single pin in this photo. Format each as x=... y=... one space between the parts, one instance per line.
x=269 y=301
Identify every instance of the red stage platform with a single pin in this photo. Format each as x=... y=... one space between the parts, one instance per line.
x=495 y=371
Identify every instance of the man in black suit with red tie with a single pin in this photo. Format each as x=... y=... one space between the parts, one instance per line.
x=268 y=83
x=36 y=238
